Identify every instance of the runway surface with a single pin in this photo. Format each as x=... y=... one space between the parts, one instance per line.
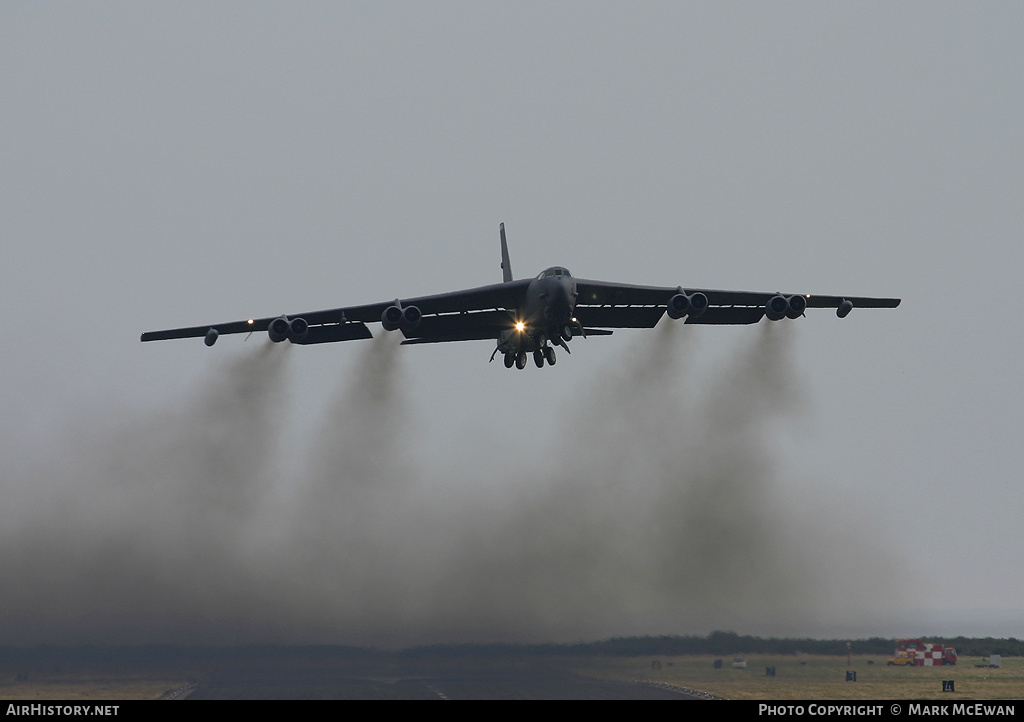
x=420 y=681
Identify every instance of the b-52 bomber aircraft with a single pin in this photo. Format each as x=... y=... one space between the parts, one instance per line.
x=531 y=315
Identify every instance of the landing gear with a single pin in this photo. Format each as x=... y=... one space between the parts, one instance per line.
x=541 y=354
x=567 y=332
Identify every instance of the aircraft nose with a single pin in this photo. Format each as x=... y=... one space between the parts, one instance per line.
x=564 y=298
x=558 y=294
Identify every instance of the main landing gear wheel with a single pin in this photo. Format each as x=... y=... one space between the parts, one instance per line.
x=510 y=359
x=521 y=360
x=567 y=332
x=549 y=355
x=538 y=358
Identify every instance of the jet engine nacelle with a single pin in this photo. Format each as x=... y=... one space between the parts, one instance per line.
x=299 y=328
x=776 y=307
x=211 y=337
x=283 y=328
x=395 y=317
x=844 y=308
x=391 y=318
x=411 y=316
x=780 y=306
x=278 y=329
x=797 y=305
x=682 y=305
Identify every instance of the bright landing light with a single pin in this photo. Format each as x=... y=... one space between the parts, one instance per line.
x=520 y=326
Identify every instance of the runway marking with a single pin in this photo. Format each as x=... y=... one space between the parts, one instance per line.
x=676 y=688
x=179 y=693
x=436 y=691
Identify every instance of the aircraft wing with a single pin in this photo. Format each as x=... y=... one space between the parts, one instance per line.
x=620 y=305
x=468 y=326
x=475 y=313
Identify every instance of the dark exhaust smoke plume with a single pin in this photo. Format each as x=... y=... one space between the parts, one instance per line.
x=145 y=531
x=658 y=508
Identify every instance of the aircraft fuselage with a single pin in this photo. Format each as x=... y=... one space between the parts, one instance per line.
x=548 y=306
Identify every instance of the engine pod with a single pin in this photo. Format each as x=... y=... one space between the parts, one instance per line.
x=297 y=329
x=678 y=305
x=279 y=329
x=698 y=304
x=682 y=305
x=776 y=308
x=797 y=305
x=391 y=319
x=411 y=317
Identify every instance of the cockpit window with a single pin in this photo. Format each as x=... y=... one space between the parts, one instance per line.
x=555 y=271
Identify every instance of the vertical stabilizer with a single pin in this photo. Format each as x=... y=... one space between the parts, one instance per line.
x=506 y=267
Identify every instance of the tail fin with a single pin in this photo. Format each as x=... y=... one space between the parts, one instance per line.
x=506 y=266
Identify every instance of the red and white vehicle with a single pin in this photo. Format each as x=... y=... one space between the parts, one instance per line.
x=926 y=654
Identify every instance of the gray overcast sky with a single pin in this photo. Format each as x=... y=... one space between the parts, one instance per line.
x=175 y=164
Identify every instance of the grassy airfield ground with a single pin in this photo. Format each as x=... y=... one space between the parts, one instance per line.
x=67 y=677
x=810 y=677
x=817 y=677
x=87 y=688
